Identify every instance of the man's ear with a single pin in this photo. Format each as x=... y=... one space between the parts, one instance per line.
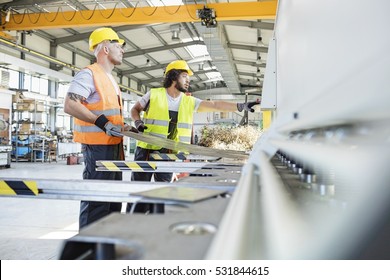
x=105 y=48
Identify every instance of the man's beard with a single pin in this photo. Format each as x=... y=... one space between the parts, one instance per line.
x=180 y=88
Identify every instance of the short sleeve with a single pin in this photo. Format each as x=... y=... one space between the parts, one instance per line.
x=83 y=84
x=145 y=99
x=197 y=103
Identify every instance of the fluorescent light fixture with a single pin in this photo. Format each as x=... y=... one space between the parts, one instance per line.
x=8 y=16
x=175 y=29
x=175 y=35
x=148 y=63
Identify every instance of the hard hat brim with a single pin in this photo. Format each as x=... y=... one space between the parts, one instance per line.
x=120 y=41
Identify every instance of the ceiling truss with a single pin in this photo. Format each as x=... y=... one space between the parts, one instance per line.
x=27 y=17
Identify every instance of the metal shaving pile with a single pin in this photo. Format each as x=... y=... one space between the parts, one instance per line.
x=241 y=138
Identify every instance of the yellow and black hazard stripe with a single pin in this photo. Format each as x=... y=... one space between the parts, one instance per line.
x=123 y=165
x=8 y=187
x=158 y=156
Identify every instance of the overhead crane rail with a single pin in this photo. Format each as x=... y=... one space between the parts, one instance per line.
x=138 y=15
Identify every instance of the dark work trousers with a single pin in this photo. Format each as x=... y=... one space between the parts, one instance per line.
x=142 y=154
x=91 y=211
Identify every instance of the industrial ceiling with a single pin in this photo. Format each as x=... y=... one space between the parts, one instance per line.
x=225 y=42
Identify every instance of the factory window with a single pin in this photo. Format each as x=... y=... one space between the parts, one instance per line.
x=36 y=84
x=13 y=79
x=62 y=90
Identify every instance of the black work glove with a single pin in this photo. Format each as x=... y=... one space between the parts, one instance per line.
x=108 y=127
x=128 y=127
x=140 y=125
x=247 y=106
x=133 y=129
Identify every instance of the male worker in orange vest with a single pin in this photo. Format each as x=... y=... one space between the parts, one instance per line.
x=168 y=113
x=94 y=100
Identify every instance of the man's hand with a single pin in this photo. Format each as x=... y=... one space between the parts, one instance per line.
x=113 y=130
x=128 y=127
x=108 y=127
x=140 y=125
x=247 y=106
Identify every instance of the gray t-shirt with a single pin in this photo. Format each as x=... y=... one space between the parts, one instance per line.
x=83 y=84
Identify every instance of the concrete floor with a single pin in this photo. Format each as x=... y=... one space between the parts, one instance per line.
x=34 y=229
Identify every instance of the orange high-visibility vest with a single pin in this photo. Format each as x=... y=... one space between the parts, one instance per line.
x=110 y=105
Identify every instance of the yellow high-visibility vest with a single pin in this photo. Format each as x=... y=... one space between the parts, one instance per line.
x=156 y=118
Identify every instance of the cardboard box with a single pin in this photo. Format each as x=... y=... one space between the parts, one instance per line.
x=31 y=105
x=71 y=160
x=25 y=106
x=39 y=107
x=25 y=128
x=19 y=97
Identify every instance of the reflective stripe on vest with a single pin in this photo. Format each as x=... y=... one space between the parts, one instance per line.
x=88 y=133
x=157 y=122
x=184 y=125
x=110 y=112
x=157 y=118
x=185 y=119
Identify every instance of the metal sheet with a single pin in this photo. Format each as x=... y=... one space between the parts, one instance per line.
x=158 y=166
x=151 y=236
x=103 y=190
x=181 y=156
x=180 y=194
x=186 y=148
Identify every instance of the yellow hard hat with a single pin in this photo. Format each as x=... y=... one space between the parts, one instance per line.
x=179 y=65
x=102 y=34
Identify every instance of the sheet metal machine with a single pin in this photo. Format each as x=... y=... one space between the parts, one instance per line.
x=194 y=204
x=316 y=185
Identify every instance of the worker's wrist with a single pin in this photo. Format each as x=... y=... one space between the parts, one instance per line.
x=240 y=106
x=101 y=122
x=138 y=123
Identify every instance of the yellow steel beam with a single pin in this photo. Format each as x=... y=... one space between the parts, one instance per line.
x=7 y=36
x=139 y=15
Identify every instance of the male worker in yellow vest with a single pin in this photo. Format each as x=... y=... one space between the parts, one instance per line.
x=94 y=100
x=169 y=114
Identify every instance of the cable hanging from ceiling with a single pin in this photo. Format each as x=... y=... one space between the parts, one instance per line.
x=165 y=8
x=36 y=18
x=196 y=3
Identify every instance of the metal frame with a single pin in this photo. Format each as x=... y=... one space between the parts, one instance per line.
x=38 y=19
x=316 y=183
